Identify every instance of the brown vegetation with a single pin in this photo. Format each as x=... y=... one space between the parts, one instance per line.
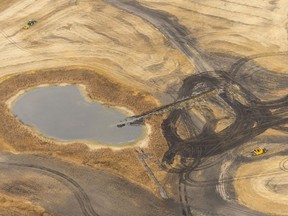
x=11 y=206
x=22 y=139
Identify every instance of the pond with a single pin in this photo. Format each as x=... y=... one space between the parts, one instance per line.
x=64 y=113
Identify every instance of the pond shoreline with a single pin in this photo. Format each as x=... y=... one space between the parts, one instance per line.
x=92 y=142
x=122 y=161
x=85 y=86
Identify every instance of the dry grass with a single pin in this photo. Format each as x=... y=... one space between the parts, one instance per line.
x=10 y=206
x=123 y=162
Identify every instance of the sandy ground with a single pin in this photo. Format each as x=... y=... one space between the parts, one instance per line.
x=143 y=54
x=262 y=185
x=232 y=26
x=67 y=189
x=90 y=34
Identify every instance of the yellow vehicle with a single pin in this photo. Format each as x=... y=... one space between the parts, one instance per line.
x=26 y=27
x=30 y=22
x=259 y=151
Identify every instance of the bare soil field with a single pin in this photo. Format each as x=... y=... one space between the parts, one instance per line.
x=267 y=184
x=146 y=55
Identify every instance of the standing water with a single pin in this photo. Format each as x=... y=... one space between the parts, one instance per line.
x=63 y=113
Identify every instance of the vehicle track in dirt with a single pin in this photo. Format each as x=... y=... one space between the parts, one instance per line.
x=79 y=193
x=252 y=117
x=176 y=34
x=13 y=42
x=236 y=67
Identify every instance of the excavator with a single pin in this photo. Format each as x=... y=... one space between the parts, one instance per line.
x=259 y=151
x=30 y=22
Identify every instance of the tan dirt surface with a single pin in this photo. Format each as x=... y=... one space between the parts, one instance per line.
x=262 y=185
x=138 y=55
x=90 y=34
x=239 y=28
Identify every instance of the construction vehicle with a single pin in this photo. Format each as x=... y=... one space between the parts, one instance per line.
x=259 y=151
x=30 y=23
x=26 y=27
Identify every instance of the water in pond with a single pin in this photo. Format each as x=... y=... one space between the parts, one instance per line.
x=62 y=112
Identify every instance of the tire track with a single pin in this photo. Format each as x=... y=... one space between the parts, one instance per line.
x=283 y=165
x=252 y=117
x=193 y=183
x=235 y=68
x=72 y=185
x=13 y=42
x=167 y=24
x=183 y=198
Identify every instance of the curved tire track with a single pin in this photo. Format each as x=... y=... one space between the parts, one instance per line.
x=283 y=165
x=252 y=118
x=72 y=185
x=235 y=68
